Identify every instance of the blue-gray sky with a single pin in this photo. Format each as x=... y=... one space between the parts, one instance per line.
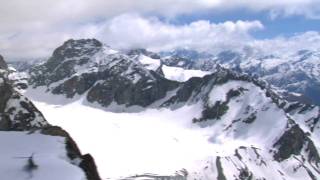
x=34 y=28
x=280 y=26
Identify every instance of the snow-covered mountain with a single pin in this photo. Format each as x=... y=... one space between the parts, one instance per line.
x=296 y=72
x=105 y=75
x=224 y=125
x=31 y=148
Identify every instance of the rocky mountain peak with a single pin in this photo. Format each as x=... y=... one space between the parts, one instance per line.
x=80 y=66
x=3 y=64
x=74 y=50
x=82 y=45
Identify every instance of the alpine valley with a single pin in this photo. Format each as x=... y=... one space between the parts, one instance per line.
x=174 y=115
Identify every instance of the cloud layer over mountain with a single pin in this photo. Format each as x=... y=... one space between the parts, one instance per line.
x=34 y=28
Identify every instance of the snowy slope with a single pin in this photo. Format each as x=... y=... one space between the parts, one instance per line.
x=180 y=74
x=127 y=144
x=49 y=155
x=224 y=130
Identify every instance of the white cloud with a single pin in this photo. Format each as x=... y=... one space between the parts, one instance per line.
x=40 y=42
x=285 y=46
x=36 y=27
x=135 y=31
x=132 y=31
x=21 y=15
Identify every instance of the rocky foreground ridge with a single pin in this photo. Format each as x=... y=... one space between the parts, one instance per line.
x=18 y=116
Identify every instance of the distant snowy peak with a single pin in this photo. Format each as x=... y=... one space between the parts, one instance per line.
x=296 y=72
x=145 y=52
x=186 y=53
x=23 y=65
x=177 y=61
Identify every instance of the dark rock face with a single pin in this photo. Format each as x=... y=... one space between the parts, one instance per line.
x=185 y=91
x=6 y=92
x=64 y=59
x=220 y=108
x=76 y=85
x=221 y=175
x=214 y=112
x=122 y=91
x=292 y=143
x=3 y=64
x=250 y=119
x=89 y=167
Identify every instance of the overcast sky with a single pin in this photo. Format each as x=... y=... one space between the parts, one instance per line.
x=34 y=28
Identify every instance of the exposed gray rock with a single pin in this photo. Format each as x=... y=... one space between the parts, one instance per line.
x=16 y=111
x=124 y=92
x=3 y=64
x=292 y=143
